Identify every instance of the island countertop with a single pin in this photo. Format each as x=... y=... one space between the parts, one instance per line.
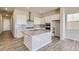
x=35 y=32
x=35 y=39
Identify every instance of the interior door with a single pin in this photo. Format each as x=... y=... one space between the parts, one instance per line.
x=6 y=24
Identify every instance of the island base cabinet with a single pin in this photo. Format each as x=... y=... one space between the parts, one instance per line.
x=41 y=40
x=28 y=42
x=36 y=42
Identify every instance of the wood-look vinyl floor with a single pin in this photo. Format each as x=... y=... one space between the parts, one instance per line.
x=61 y=45
x=8 y=43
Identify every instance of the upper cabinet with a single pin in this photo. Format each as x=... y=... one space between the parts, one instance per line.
x=21 y=19
x=37 y=20
x=55 y=17
x=42 y=20
x=47 y=19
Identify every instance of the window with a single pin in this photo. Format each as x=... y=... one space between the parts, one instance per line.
x=73 y=21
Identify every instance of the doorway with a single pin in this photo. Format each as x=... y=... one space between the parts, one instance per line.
x=6 y=24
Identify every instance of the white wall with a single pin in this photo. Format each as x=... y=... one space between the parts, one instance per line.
x=62 y=23
x=11 y=27
x=57 y=26
x=0 y=24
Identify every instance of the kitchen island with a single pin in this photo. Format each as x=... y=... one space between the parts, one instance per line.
x=36 y=39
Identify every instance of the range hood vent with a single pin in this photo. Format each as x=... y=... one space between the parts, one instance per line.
x=29 y=15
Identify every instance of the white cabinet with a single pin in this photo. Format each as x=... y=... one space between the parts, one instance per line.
x=37 y=20
x=35 y=42
x=55 y=17
x=19 y=32
x=42 y=20
x=21 y=19
x=28 y=41
x=47 y=19
x=41 y=40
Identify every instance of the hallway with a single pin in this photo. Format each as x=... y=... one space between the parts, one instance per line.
x=8 y=43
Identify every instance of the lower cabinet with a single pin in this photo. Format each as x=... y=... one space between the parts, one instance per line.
x=19 y=34
x=36 y=42
x=28 y=42
x=41 y=40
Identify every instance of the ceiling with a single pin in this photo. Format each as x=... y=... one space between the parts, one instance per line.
x=32 y=9
x=70 y=10
x=37 y=10
x=42 y=9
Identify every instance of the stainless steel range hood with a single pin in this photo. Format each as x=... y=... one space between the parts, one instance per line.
x=30 y=23
x=29 y=15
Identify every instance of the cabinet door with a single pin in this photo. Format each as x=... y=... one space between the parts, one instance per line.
x=55 y=17
x=21 y=19
x=37 y=20
x=47 y=19
x=19 y=33
x=41 y=40
x=42 y=20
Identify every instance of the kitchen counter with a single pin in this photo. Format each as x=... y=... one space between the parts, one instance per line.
x=35 y=32
x=35 y=39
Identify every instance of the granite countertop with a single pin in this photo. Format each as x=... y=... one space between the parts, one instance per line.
x=35 y=32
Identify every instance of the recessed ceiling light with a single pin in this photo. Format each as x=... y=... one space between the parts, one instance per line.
x=6 y=9
x=6 y=14
x=40 y=11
